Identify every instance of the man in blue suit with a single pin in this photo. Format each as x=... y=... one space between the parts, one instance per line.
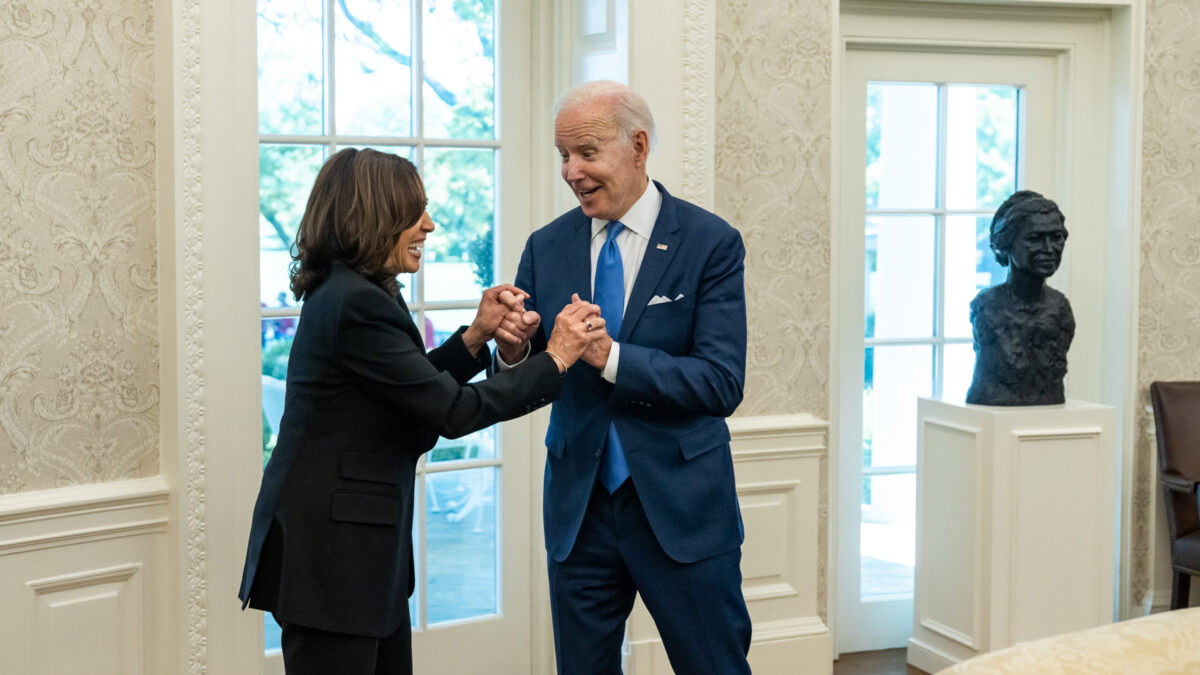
x=639 y=487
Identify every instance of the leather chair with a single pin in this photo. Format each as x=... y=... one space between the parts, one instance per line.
x=1177 y=425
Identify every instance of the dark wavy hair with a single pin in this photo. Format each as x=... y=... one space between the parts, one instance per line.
x=1011 y=218
x=360 y=203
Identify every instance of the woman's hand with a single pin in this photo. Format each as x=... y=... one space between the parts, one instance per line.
x=575 y=327
x=493 y=306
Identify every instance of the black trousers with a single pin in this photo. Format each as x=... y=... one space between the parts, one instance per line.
x=309 y=651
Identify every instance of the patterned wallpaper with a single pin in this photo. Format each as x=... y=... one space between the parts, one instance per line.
x=773 y=76
x=773 y=113
x=1169 y=286
x=78 y=281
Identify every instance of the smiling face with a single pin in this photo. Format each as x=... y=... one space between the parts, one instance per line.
x=406 y=256
x=606 y=172
x=1038 y=249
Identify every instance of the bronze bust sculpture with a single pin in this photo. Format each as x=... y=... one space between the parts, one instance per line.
x=1022 y=327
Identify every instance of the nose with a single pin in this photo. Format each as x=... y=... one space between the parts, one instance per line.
x=427 y=223
x=571 y=170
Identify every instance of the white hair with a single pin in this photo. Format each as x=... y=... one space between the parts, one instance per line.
x=632 y=112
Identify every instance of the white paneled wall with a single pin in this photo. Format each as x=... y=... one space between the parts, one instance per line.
x=83 y=580
x=780 y=462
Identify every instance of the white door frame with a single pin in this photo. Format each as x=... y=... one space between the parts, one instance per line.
x=886 y=622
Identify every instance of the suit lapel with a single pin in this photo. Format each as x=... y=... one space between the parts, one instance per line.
x=663 y=244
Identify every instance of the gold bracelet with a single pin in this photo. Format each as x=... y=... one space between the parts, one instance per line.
x=562 y=365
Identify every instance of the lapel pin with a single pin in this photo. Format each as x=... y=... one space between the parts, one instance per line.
x=662 y=247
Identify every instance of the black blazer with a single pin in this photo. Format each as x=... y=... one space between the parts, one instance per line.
x=331 y=541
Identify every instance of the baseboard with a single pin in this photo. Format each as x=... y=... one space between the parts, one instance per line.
x=1160 y=601
x=802 y=645
x=927 y=658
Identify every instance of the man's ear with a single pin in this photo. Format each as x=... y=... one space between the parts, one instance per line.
x=641 y=147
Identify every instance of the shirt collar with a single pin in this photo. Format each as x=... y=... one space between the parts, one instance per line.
x=640 y=217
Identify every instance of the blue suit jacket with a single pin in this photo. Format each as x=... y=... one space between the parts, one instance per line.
x=681 y=372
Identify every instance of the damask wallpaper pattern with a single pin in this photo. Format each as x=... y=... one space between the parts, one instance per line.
x=1169 y=284
x=78 y=276
x=773 y=119
x=773 y=93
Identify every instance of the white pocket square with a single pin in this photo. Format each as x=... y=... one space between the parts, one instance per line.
x=659 y=299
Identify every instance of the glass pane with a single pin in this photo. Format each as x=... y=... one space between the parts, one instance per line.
x=290 y=81
x=888 y=536
x=460 y=254
x=442 y=323
x=272 y=633
x=981 y=146
x=414 y=600
x=901 y=145
x=461 y=536
x=459 y=88
x=285 y=177
x=970 y=268
x=277 y=337
x=372 y=66
x=895 y=377
x=900 y=270
x=960 y=368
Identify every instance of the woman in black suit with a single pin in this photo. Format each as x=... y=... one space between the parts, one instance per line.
x=330 y=552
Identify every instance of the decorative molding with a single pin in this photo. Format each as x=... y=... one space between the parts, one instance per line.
x=83 y=536
x=1024 y=436
x=190 y=229
x=27 y=507
x=769 y=631
x=769 y=592
x=776 y=426
x=698 y=106
x=83 y=579
x=958 y=636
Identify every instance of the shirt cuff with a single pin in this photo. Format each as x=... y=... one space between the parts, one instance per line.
x=501 y=365
x=610 y=366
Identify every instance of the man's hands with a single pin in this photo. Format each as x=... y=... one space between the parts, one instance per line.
x=596 y=354
x=576 y=327
x=516 y=328
x=494 y=307
x=502 y=317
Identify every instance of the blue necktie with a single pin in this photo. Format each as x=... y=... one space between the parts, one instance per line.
x=610 y=295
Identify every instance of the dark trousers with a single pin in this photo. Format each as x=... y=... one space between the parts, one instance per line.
x=698 y=607
x=309 y=651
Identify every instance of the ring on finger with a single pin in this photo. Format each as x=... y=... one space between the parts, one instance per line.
x=588 y=324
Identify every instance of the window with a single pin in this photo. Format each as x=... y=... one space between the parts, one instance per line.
x=416 y=78
x=940 y=158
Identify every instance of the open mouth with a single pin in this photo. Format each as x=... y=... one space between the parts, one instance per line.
x=417 y=248
x=584 y=194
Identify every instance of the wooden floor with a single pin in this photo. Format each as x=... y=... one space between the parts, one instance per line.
x=887 y=662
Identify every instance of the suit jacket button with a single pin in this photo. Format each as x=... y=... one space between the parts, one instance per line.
x=598 y=451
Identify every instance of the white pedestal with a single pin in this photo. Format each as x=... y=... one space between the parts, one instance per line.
x=1016 y=522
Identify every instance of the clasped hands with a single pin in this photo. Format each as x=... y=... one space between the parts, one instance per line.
x=578 y=331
